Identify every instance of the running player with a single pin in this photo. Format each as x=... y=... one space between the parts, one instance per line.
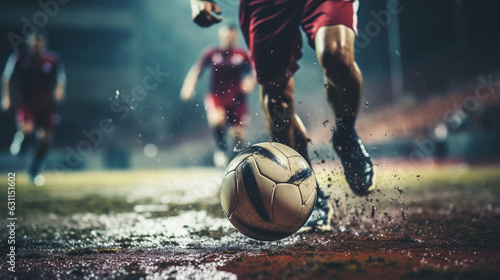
x=35 y=78
x=272 y=32
x=231 y=80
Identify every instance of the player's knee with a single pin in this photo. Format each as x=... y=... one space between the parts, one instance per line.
x=27 y=129
x=274 y=95
x=336 y=56
x=276 y=106
x=216 y=122
x=44 y=135
x=216 y=119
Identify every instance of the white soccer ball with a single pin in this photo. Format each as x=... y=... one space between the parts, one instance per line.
x=268 y=191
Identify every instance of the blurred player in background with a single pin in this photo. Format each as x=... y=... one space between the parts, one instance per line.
x=272 y=32
x=33 y=81
x=226 y=102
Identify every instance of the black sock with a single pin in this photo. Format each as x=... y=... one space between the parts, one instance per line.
x=42 y=147
x=29 y=140
x=220 y=139
x=345 y=125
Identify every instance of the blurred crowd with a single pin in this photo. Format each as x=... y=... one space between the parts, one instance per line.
x=465 y=110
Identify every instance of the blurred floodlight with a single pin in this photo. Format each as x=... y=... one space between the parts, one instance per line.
x=150 y=150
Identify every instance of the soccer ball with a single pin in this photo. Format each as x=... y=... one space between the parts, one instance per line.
x=268 y=191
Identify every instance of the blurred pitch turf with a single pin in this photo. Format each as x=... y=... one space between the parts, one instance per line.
x=104 y=191
x=423 y=222
x=120 y=191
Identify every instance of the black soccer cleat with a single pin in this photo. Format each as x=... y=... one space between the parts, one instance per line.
x=321 y=216
x=34 y=172
x=358 y=166
x=34 y=168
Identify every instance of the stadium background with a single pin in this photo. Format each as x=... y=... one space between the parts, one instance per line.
x=446 y=51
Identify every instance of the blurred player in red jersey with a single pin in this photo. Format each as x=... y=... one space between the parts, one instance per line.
x=36 y=80
x=226 y=101
x=272 y=32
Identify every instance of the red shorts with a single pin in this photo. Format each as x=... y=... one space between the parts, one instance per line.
x=236 y=110
x=272 y=30
x=40 y=118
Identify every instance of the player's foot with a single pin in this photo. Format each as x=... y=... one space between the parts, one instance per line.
x=38 y=180
x=220 y=159
x=238 y=147
x=34 y=173
x=358 y=166
x=17 y=143
x=321 y=216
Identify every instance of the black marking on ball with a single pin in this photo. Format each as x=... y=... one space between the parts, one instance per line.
x=270 y=234
x=258 y=150
x=253 y=191
x=300 y=176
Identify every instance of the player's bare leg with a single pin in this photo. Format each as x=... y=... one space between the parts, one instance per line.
x=300 y=137
x=21 y=138
x=217 y=123
x=277 y=101
x=335 y=51
x=42 y=146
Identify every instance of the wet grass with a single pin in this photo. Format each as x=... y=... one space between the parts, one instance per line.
x=416 y=218
x=103 y=192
